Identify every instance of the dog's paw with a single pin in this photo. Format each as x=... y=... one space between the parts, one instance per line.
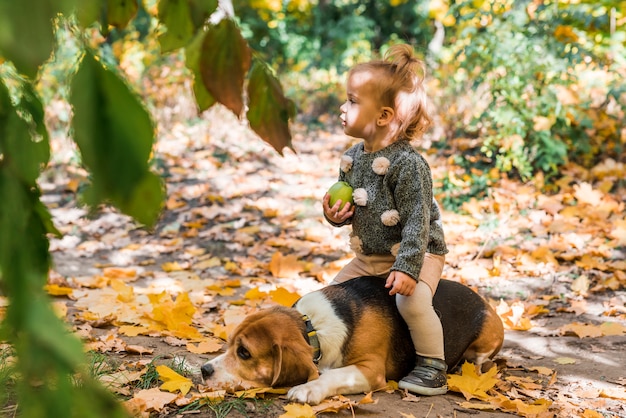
x=311 y=393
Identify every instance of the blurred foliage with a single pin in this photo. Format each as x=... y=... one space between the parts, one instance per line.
x=521 y=87
x=539 y=83
x=70 y=49
x=546 y=81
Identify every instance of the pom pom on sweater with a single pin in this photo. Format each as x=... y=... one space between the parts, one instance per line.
x=346 y=163
x=360 y=196
x=380 y=165
x=390 y=217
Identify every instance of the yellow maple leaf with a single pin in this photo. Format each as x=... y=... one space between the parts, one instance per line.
x=172 y=381
x=284 y=297
x=125 y=293
x=133 y=330
x=260 y=392
x=174 y=316
x=471 y=384
x=255 y=294
x=56 y=290
x=171 y=266
x=295 y=410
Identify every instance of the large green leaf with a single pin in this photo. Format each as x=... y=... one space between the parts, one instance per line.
x=89 y=11
x=192 y=59
x=115 y=135
x=269 y=110
x=120 y=12
x=26 y=33
x=176 y=16
x=24 y=154
x=201 y=10
x=224 y=63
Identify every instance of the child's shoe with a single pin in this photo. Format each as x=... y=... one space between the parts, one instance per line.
x=427 y=378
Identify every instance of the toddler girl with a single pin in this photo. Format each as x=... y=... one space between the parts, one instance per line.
x=396 y=224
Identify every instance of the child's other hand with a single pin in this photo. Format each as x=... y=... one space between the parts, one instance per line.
x=400 y=283
x=335 y=214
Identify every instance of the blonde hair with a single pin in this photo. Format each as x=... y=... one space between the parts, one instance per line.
x=401 y=88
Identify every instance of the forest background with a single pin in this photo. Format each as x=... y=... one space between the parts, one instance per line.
x=528 y=92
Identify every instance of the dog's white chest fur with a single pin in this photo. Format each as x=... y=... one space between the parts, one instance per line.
x=331 y=330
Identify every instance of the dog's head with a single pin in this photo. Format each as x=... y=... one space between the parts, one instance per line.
x=267 y=349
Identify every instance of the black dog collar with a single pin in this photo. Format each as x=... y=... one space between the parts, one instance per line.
x=313 y=341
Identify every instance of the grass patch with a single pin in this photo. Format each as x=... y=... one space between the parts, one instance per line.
x=7 y=381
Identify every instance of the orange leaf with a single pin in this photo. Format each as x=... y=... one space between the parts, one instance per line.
x=119 y=273
x=285 y=266
x=152 y=399
x=582 y=330
x=206 y=346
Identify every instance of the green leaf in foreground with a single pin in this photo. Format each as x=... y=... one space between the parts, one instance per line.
x=176 y=16
x=115 y=135
x=224 y=63
x=269 y=109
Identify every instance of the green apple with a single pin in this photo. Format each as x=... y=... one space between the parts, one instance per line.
x=340 y=191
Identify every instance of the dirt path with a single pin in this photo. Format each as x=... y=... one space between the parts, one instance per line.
x=233 y=204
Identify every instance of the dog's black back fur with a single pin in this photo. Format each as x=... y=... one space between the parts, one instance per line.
x=458 y=307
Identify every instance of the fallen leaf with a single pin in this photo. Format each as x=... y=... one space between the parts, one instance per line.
x=612 y=328
x=138 y=349
x=581 y=330
x=585 y=193
x=173 y=381
x=471 y=384
x=565 y=360
x=285 y=266
x=546 y=371
x=152 y=399
x=56 y=290
x=212 y=345
x=296 y=410
x=284 y=297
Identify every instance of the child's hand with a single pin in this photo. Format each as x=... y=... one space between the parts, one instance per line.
x=400 y=283
x=335 y=214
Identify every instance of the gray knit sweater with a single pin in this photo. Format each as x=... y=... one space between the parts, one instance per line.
x=395 y=212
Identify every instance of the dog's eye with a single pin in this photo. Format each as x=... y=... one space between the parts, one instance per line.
x=243 y=352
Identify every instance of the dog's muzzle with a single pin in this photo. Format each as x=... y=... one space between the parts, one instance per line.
x=207 y=370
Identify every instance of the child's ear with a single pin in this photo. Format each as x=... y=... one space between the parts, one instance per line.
x=386 y=116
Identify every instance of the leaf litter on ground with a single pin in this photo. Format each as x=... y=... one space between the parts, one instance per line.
x=243 y=229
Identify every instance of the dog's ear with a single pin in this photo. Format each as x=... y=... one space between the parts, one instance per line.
x=293 y=364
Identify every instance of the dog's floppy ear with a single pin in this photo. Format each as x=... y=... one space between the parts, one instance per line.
x=293 y=364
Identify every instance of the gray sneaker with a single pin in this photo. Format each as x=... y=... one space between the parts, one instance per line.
x=427 y=378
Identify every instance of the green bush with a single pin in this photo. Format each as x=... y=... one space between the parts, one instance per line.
x=544 y=81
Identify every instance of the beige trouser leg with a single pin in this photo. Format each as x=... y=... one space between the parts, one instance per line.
x=417 y=309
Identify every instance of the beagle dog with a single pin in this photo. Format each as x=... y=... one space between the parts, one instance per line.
x=348 y=338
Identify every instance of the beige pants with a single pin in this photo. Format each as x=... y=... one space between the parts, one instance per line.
x=417 y=309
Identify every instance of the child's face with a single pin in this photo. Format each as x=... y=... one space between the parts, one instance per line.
x=361 y=109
